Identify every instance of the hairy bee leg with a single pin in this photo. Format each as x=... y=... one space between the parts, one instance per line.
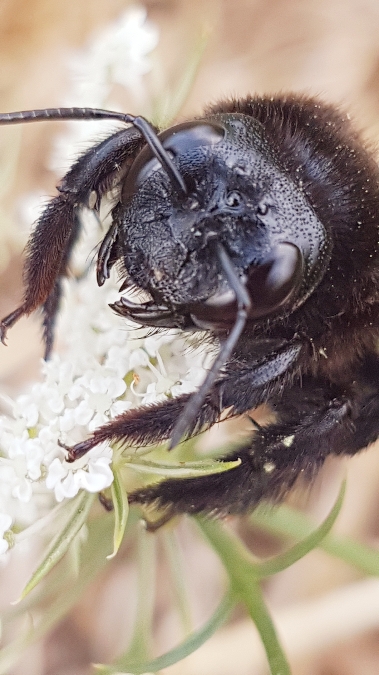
x=50 y=310
x=42 y=281
x=155 y=525
x=314 y=425
x=105 y=258
x=8 y=321
x=223 y=493
x=58 y=227
x=152 y=424
x=257 y=478
x=144 y=426
x=106 y=502
x=155 y=423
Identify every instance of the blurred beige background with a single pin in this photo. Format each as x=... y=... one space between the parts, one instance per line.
x=324 y=47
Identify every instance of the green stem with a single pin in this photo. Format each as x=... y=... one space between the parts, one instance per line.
x=139 y=648
x=242 y=573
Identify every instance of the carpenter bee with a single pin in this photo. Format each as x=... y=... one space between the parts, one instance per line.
x=258 y=224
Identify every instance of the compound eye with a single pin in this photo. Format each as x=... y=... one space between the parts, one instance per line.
x=185 y=137
x=272 y=283
x=179 y=140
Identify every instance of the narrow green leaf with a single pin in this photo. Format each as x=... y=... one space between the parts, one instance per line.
x=75 y=518
x=299 y=550
x=244 y=573
x=121 y=510
x=187 y=647
x=59 y=603
x=202 y=467
x=286 y=521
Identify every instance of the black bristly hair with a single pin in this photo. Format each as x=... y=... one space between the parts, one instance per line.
x=257 y=224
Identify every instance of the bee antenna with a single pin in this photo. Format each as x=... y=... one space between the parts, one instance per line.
x=146 y=129
x=194 y=404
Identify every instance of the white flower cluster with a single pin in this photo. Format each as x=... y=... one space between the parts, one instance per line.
x=103 y=365
x=120 y=55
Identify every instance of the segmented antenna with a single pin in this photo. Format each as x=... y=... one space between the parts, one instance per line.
x=78 y=114
x=194 y=404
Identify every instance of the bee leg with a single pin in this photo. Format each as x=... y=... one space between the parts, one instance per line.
x=145 y=425
x=240 y=388
x=58 y=227
x=314 y=421
x=106 y=502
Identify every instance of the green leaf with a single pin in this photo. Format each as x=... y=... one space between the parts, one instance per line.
x=287 y=522
x=121 y=509
x=187 y=647
x=202 y=467
x=299 y=550
x=77 y=513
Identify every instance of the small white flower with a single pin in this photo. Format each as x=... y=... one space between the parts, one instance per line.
x=23 y=490
x=83 y=413
x=92 y=473
x=29 y=411
x=138 y=357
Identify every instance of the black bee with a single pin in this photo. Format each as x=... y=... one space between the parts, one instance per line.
x=257 y=223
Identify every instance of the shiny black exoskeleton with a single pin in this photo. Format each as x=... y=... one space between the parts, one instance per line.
x=259 y=224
